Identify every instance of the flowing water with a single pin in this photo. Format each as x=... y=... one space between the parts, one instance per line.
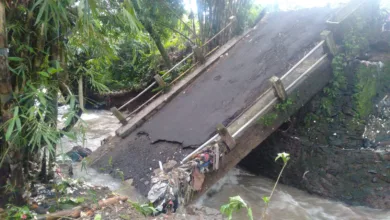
x=287 y=202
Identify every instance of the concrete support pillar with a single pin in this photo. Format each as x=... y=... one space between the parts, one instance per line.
x=199 y=56
x=329 y=42
x=160 y=81
x=226 y=137
x=279 y=90
x=119 y=115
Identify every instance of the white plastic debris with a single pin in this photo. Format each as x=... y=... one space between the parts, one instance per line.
x=157 y=191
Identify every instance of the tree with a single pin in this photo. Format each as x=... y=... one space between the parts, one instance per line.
x=45 y=38
x=157 y=19
x=215 y=15
x=6 y=105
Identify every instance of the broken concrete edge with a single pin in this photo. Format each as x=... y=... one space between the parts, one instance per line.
x=242 y=120
x=158 y=103
x=193 y=178
x=257 y=133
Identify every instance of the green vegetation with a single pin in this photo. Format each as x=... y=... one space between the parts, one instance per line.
x=371 y=81
x=284 y=106
x=15 y=212
x=268 y=119
x=365 y=89
x=236 y=203
x=144 y=209
x=59 y=50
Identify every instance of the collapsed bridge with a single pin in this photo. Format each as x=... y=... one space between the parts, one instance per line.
x=231 y=103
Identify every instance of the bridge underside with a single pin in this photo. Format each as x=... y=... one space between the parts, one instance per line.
x=219 y=95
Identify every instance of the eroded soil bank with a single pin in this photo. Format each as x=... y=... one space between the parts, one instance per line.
x=340 y=148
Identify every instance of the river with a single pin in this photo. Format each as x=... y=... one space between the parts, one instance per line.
x=287 y=202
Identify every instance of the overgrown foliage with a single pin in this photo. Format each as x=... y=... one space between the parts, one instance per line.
x=60 y=50
x=45 y=41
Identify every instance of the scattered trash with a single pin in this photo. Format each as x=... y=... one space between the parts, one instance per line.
x=197 y=179
x=175 y=187
x=157 y=191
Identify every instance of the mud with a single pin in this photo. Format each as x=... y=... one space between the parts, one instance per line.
x=218 y=95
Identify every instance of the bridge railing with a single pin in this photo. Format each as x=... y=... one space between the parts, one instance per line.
x=289 y=80
x=199 y=57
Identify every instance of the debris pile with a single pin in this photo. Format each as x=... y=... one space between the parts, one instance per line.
x=70 y=198
x=174 y=187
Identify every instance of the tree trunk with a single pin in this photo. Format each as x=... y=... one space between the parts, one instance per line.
x=53 y=105
x=157 y=40
x=200 y=5
x=15 y=156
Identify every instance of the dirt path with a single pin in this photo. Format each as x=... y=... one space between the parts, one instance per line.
x=218 y=95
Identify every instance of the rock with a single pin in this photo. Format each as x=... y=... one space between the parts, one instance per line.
x=372 y=171
x=74 y=156
x=83 y=152
x=146 y=182
x=78 y=153
x=374 y=180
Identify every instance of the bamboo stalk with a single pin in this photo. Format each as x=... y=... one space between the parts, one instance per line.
x=81 y=93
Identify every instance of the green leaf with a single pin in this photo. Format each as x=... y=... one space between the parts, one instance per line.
x=98 y=217
x=52 y=70
x=18 y=124
x=11 y=125
x=45 y=74
x=285 y=157
x=72 y=102
x=70 y=135
x=15 y=59
x=250 y=214
x=10 y=129
x=266 y=199
x=41 y=98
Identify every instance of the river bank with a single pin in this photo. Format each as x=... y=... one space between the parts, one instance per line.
x=341 y=154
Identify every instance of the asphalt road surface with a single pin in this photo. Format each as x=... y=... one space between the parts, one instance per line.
x=217 y=96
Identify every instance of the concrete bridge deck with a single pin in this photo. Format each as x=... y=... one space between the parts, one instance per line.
x=219 y=95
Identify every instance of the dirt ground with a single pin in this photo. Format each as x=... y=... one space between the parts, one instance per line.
x=217 y=96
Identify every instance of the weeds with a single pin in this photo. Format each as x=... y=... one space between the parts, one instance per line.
x=284 y=106
x=268 y=119
x=236 y=203
x=15 y=212
x=285 y=157
x=144 y=209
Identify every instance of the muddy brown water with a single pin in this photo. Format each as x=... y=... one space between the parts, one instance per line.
x=288 y=203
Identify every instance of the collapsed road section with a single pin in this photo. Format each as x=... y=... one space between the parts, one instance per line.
x=220 y=94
